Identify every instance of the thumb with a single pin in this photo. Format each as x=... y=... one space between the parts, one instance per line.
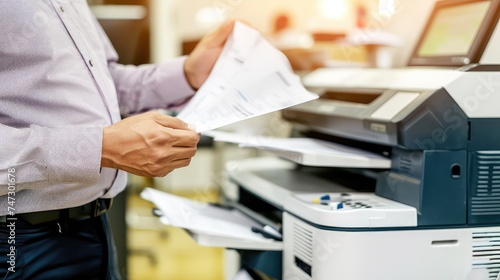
x=220 y=35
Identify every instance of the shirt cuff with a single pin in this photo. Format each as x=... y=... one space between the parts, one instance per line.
x=72 y=154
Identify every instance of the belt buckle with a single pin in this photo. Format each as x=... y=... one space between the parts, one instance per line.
x=100 y=206
x=94 y=208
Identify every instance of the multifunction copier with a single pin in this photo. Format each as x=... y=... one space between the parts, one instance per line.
x=435 y=214
x=434 y=211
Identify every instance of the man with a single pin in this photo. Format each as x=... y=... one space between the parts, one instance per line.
x=63 y=147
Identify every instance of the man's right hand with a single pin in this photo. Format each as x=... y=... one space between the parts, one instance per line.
x=149 y=144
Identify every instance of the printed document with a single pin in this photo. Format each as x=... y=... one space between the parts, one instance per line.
x=307 y=151
x=250 y=78
x=202 y=218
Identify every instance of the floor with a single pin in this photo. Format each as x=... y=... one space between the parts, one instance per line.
x=162 y=252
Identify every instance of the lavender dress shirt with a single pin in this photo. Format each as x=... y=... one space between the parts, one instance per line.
x=60 y=85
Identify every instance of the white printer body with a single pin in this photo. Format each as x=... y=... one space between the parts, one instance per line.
x=431 y=216
x=435 y=214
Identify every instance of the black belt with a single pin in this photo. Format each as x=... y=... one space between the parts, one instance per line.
x=89 y=210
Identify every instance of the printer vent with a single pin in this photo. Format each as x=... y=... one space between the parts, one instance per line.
x=485 y=199
x=405 y=165
x=303 y=243
x=486 y=252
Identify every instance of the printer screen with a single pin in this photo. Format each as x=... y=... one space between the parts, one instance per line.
x=454 y=29
x=456 y=33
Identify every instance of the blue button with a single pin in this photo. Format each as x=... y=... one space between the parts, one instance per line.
x=325 y=197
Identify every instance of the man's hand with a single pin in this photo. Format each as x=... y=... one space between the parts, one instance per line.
x=149 y=144
x=200 y=62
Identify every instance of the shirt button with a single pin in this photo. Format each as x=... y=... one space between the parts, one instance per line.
x=62 y=9
x=91 y=63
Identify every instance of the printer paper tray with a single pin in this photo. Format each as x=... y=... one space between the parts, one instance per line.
x=234 y=243
x=210 y=225
x=308 y=151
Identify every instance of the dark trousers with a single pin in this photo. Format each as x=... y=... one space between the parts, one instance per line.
x=83 y=250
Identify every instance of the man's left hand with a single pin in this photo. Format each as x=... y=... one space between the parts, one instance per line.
x=200 y=62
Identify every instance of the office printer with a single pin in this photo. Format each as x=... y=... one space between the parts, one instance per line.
x=427 y=208
x=435 y=212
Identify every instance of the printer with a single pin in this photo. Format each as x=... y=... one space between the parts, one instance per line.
x=413 y=190
x=434 y=212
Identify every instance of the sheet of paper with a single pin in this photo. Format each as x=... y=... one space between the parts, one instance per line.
x=242 y=275
x=288 y=144
x=237 y=138
x=202 y=217
x=331 y=153
x=250 y=78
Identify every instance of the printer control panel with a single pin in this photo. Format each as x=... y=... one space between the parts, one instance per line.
x=351 y=210
x=346 y=201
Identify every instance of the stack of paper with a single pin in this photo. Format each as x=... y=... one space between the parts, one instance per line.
x=307 y=151
x=208 y=224
x=250 y=78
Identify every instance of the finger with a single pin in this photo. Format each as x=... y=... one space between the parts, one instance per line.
x=182 y=138
x=175 y=153
x=169 y=159
x=182 y=162
x=165 y=137
x=170 y=122
x=174 y=165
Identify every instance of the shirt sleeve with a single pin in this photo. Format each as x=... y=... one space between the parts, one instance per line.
x=149 y=86
x=39 y=157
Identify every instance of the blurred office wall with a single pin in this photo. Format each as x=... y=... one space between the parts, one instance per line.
x=174 y=22
x=179 y=21
x=198 y=16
